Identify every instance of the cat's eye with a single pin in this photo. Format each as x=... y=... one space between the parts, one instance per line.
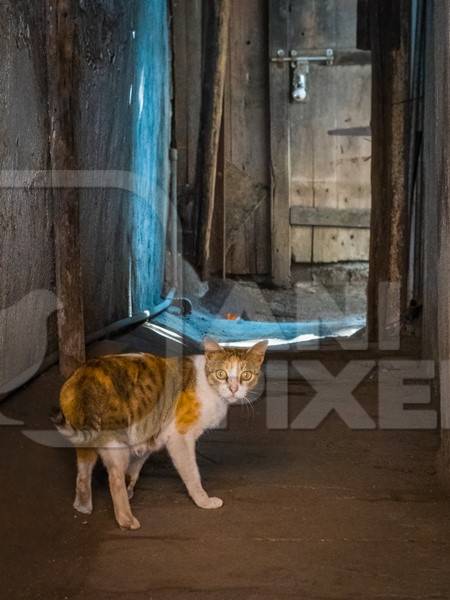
x=222 y=375
x=246 y=375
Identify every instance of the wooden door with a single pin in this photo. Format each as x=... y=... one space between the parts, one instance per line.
x=320 y=148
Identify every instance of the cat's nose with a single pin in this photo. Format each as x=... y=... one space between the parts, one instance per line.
x=233 y=386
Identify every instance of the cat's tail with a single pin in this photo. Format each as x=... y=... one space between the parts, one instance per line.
x=77 y=437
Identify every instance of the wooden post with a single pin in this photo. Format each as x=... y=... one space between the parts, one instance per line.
x=389 y=40
x=280 y=144
x=214 y=85
x=218 y=250
x=60 y=61
x=187 y=33
x=436 y=215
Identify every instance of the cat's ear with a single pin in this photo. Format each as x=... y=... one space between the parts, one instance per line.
x=211 y=346
x=258 y=351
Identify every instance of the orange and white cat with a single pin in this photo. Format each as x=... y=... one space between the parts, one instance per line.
x=124 y=407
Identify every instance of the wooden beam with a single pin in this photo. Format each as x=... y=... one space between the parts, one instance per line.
x=435 y=218
x=218 y=252
x=214 y=81
x=61 y=61
x=330 y=217
x=187 y=65
x=280 y=144
x=389 y=32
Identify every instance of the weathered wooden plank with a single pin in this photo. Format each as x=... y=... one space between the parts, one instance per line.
x=180 y=83
x=330 y=171
x=239 y=232
x=215 y=73
x=187 y=35
x=217 y=264
x=26 y=215
x=193 y=89
x=341 y=244
x=330 y=217
x=61 y=77
x=303 y=25
x=389 y=239
x=436 y=322
x=247 y=171
x=279 y=15
x=324 y=24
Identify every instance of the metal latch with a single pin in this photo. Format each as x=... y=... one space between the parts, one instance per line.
x=300 y=69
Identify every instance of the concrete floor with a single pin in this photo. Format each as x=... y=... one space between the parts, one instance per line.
x=329 y=514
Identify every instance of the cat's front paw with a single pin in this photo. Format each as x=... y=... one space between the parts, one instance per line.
x=130 y=523
x=209 y=503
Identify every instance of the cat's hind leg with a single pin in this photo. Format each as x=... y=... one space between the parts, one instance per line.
x=86 y=459
x=116 y=460
x=134 y=470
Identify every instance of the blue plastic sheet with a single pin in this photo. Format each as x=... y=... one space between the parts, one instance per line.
x=201 y=323
x=150 y=101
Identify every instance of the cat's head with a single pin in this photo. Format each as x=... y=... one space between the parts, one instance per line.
x=232 y=372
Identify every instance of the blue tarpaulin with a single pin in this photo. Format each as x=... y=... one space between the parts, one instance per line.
x=150 y=100
x=201 y=323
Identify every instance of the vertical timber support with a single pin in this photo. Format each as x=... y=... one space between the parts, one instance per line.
x=187 y=55
x=218 y=251
x=390 y=26
x=437 y=213
x=279 y=79
x=60 y=61
x=214 y=86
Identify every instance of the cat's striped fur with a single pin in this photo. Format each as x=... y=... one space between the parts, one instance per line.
x=124 y=407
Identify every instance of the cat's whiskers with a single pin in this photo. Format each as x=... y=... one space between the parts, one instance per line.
x=252 y=397
x=249 y=407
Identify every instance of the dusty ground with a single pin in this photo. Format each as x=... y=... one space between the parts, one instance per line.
x=329 y=514
x=328 y=291
x=302 y=302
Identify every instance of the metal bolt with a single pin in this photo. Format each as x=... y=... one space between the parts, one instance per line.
x=280 y=53
x=294 y=52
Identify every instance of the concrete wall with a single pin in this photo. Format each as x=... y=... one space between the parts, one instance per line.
x=122 y=44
